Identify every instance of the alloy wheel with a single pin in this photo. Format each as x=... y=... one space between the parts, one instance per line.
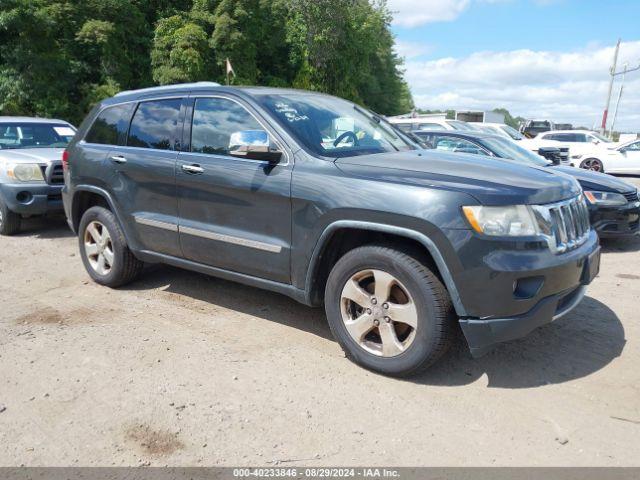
x=379 y=313
x=98 y=247
x=592 y=164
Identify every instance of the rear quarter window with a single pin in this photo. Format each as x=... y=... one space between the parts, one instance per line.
x=110 y=126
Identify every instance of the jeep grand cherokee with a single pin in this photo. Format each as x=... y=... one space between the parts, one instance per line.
x=317 y=198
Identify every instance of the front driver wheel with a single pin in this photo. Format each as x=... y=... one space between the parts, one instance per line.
x=592 y=164
x=104 y=250
x=388 y=311
x=9 y=221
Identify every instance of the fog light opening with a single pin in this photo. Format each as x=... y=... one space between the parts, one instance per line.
x=24 y=197
x=526 y=288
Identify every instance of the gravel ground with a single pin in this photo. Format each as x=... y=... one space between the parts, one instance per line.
x=182 y=369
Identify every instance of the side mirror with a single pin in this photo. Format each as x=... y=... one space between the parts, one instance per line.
x=595 y=141
x=253 y=145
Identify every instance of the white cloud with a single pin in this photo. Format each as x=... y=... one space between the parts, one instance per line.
x=412 y=13
x=563 y=87
x=411 y=50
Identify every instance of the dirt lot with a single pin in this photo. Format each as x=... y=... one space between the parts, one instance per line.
x=182 y=369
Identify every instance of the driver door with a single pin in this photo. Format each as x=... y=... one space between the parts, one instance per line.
x=234 y=213
x=631 y=155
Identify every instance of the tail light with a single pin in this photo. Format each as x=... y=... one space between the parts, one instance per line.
x=65 y=160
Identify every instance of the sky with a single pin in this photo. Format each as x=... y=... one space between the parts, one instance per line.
x=542 y=59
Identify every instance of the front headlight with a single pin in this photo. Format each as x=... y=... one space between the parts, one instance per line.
x=576 y=157
x=605 y=199
x=26 y=172
x=511 y=221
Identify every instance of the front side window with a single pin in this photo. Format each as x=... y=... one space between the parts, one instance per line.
x=155 y=124
x=332 y=127
x=18 y=135
x=597 y=136
x=215 y=120
x=634 y=147
x=110 y=127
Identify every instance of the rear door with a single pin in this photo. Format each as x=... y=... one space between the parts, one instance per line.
x=143 y=173
x=235 y=214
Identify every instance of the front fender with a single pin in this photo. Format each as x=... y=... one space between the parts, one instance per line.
x=428 y=243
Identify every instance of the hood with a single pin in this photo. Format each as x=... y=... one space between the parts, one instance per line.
x=594 y=180
x=31 y=155
x=490 y=181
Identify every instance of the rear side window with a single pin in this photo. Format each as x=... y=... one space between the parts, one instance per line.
x=214 y=121
x=563 y=137
x=110 y=127
x=155 y=124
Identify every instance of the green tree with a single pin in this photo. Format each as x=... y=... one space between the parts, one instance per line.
x=180 y=51
x=508 y=118
x=59 y=57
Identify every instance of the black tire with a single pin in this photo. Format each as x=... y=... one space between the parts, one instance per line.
x=435 y=321
x=592 y=164
x=126 y=267
x=9 y=221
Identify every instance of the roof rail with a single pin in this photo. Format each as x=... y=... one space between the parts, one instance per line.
x=169 y=87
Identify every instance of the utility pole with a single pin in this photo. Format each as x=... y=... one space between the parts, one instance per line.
x=615 y=112
x=603 y=128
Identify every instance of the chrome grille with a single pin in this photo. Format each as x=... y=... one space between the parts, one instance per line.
x=632 y=196
x=568 y=223
x=564 y=156
x=53 y=174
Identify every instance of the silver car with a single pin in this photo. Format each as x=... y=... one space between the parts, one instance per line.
x=31 y=174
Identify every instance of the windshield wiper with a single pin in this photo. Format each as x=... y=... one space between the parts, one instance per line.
x=378 y=120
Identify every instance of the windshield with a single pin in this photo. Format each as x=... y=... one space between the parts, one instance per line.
x=600 y=137
x=331 y=127
x=512 y=132
x=507 y=149
x=458 y=125
x=35 y=135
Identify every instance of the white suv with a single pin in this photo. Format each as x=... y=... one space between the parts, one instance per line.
x=589 y=150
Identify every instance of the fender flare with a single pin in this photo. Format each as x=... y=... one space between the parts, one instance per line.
x=400 y=231
x=104 y=194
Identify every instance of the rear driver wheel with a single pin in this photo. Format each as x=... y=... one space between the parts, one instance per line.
x=104 y=250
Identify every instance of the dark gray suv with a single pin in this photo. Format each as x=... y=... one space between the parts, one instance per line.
x=316 y=198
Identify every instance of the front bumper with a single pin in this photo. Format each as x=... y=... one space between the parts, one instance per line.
x=483 y=335
x=508 y=290
x=32 y=198
x=611 y=222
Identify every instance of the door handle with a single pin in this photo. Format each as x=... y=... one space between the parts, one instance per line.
x=193 y=169
x=118 y=159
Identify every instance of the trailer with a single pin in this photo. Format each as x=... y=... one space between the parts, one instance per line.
x=475 y=116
